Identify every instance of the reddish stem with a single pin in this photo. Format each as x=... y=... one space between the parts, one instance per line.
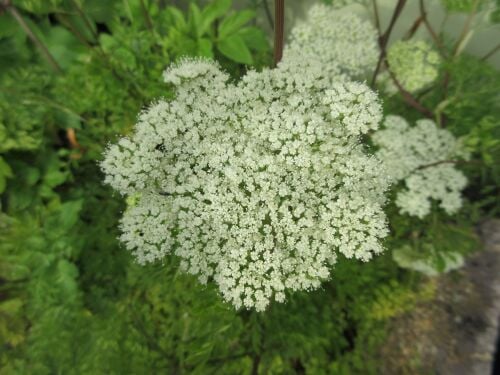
x=279 y=25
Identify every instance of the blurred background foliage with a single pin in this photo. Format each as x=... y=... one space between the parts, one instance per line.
x=73 y=76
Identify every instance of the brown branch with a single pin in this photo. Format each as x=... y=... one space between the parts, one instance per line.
x=413 y=29
x=384 y=39
x=279 y=14
x=409 y=98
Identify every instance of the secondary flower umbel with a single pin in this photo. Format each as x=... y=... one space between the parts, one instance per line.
x=421 y=156
x=343 y=43
x=257 y=186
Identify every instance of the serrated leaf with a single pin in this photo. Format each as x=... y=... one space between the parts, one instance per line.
x=234 y=48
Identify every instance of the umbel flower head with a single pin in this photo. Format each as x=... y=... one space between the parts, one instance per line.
x=421 y=156
x=414 y=63
x=257 y=186
x=342 y=43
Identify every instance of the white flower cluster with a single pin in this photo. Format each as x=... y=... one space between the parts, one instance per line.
x=256 y=185
x=342 y=43
x=414 y=63
x=420 y=156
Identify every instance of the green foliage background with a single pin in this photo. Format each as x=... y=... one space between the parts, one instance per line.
x=72 y=301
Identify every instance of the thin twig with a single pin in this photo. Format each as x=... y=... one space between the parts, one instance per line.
x=31 y=35
x=279 y=14
x=384 y=39
x=430 y=29
x=491 y=52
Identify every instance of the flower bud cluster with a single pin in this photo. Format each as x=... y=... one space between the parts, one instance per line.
x=414 y=63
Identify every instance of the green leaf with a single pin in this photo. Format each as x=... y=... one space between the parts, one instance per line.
x=63 y=46
x=54 y=177
x=205 y=47
x=31 y=175
x=177 y=18
x=234 y=22
x=234 y=48
x=194 y=19
x=5 y=169
x=254 y=38
x=107 y=42
x=69 y=213
x=62 y=219
x=213 y=11
x=65 y=277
